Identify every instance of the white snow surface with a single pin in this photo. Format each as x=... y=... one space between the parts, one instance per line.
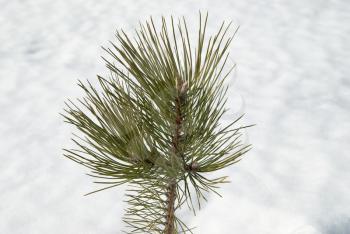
x=292 y=80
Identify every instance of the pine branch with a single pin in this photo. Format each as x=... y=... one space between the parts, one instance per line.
x=155 y=122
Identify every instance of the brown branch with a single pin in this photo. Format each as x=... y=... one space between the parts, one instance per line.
x=170 y=216
x=171 y=192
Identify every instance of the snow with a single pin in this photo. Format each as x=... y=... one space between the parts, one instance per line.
x=292 y=80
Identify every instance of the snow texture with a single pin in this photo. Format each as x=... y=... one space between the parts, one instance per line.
x=292 y=80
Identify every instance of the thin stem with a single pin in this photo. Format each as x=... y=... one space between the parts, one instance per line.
x=171 y=192
x=170 y=216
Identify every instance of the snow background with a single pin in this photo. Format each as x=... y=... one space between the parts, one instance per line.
x=291 y=79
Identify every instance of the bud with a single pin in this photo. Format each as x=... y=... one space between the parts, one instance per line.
x=184 y=88
x=194 y=166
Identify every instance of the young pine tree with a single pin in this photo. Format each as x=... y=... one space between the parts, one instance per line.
x=154 y=124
